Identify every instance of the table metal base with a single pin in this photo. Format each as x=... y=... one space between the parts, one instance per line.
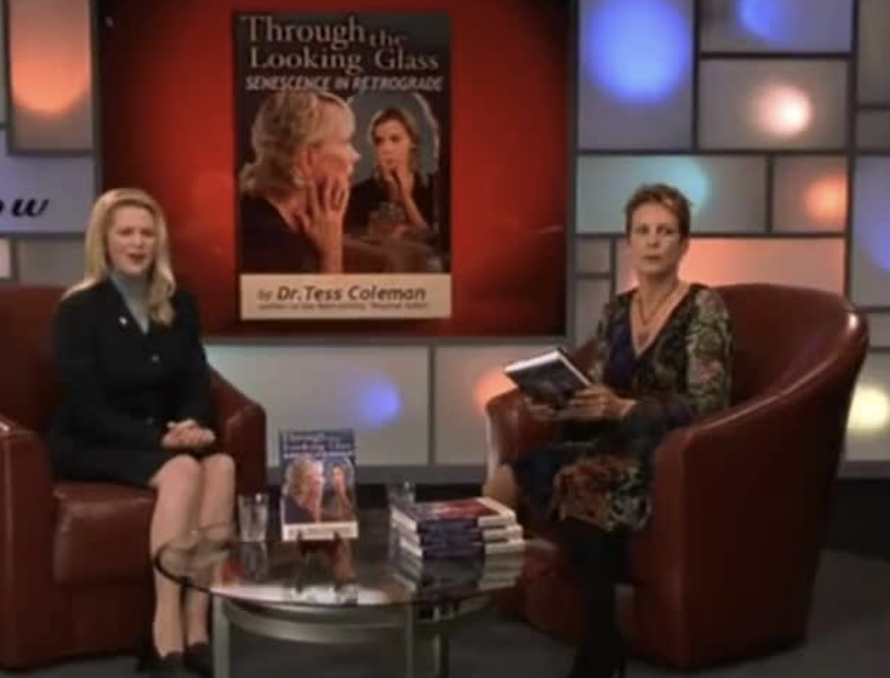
x=421 y=631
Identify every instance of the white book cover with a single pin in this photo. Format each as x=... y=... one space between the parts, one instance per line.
x=549 y=377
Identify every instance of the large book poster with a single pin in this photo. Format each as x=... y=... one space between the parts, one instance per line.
x=342 y=166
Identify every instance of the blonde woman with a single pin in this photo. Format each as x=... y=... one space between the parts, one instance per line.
x=305 y=487
x=295 y=190
x=136 y=405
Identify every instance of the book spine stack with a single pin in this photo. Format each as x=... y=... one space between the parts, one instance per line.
x=457 y=538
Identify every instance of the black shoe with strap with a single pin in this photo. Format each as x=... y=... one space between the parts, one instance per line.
x=198 y=658
x=586 y=666
x=169 y=666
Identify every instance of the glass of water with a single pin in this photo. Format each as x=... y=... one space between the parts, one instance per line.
x=400 y=494
x=253 y=516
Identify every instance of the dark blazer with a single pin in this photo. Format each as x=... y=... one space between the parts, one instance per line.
x=121 y=386
x=295 y=512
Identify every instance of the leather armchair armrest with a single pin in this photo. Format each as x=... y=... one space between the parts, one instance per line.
x=512 y=431
x=27 y=514
x=242 y=432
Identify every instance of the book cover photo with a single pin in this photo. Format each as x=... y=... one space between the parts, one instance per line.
x=551 y=377
x=318 y=487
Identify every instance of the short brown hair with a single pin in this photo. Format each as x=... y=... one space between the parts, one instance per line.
x=661 y=194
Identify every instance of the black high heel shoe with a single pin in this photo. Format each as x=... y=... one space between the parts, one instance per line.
x=169 y=666
x=198 y=658
x=608 y=661
x=590 y=667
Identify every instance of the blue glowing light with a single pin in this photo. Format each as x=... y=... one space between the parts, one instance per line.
x=688 y=176
x=683 y=172
x=876 y=238
x=374 y=402
x=772 y=20
x=638 y=50
x=872 y=205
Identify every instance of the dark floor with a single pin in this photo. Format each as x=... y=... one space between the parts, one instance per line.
x=859 y=518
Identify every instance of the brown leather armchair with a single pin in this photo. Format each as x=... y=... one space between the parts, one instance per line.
x=725 y=568
x=75 y=576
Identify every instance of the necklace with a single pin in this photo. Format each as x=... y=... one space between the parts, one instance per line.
x=643 y=332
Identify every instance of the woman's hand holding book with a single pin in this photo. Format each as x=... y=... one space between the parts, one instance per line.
x=597 y=402
x=540 y=411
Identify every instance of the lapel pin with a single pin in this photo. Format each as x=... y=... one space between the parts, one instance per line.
x=123 y=321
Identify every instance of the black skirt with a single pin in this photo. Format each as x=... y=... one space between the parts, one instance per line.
x=98 y=464
x=536 y=470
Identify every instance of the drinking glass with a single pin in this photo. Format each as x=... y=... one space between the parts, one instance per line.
x=253 y=516
x=400 y=494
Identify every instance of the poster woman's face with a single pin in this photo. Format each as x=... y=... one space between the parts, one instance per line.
x=338 y=479
x=334 y=157
x=311 y=483
x=392 y=144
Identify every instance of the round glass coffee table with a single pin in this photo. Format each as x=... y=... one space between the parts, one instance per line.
x=343 y=592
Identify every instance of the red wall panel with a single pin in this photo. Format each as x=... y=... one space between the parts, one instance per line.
x=167 y=125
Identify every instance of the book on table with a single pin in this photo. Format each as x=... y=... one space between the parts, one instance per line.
x=551 y=377
x=453 y=550
x=430 y=575
x=318 y=485
x=460 y=534
x=457 y=528
x=453 y=514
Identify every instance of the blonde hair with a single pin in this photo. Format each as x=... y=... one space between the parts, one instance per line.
x=161 y=283
x=298 y=472
x=288 y=121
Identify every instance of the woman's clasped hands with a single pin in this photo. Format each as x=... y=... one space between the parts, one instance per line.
x=187 y=435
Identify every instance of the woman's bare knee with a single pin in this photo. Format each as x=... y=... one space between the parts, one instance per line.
x=501 y=486
x=219 y=469
x=182 y=473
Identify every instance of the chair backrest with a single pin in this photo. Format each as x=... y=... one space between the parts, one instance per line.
x=782 y=335
x=29 y=390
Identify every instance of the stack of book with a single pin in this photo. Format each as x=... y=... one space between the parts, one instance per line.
x=459 y=528
x=455 y=577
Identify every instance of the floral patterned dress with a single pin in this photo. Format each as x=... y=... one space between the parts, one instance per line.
x=601 y=471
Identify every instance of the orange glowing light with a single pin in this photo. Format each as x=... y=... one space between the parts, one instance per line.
x=490 y=384
x=782 y=110
x=49 y=55
x=826 y=201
